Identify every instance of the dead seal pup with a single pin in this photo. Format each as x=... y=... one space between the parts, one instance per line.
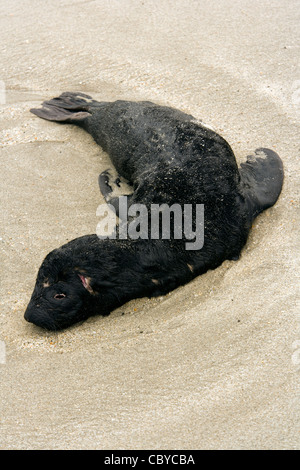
x=169 y=160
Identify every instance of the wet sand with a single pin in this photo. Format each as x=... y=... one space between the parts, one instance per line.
x=214 y=364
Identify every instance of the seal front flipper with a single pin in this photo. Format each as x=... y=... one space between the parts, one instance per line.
x=261 y=180
x=112 y=187
x=104 y=184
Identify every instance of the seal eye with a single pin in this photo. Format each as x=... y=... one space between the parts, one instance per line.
x=59 y=296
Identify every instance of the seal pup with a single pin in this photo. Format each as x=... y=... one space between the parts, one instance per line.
x=169 y=159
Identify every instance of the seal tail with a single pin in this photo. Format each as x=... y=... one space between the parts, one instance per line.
x=261 y=179
x=72 y=108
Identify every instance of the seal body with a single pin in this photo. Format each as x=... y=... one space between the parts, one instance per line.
x=169 y=160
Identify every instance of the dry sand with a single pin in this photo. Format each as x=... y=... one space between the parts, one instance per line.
x=214 y=364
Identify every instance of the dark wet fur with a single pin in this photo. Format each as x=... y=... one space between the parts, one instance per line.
x=167 y=158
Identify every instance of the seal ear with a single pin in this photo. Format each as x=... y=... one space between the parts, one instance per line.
x=90 y=284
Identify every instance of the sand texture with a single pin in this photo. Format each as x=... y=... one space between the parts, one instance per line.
x=214 y=364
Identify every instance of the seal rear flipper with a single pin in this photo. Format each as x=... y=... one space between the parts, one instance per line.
x=54 y=113
x=73 y=101
x=69 y=107
x=261 y=180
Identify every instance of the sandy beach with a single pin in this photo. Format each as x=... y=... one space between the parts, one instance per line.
x=214 y=364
